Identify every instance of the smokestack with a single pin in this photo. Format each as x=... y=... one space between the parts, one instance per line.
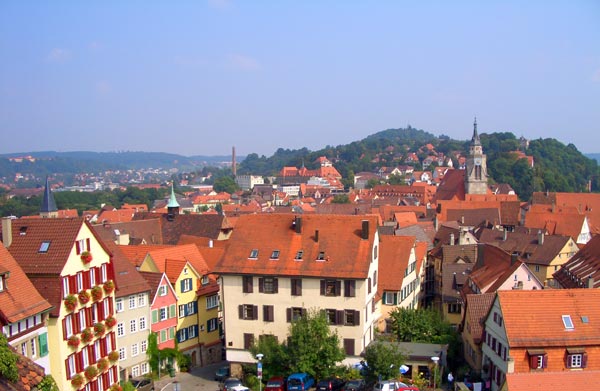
x=365 y=230
x=210 y=243
x=462 y=219
x=505 y=235
x=590 y=282
x=317 y=235
x=233 y=164
x=540 y=238
x=298 y=224
x=7 y=231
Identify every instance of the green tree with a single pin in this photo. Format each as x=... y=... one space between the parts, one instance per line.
x=48 y=384
x=152 y=352
x=313 y=347
x=8 y=361
x=226 y=184
x=275 y=358
x=383 y=359
x=340 y=199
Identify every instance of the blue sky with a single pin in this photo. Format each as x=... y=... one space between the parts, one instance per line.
x=197 y=77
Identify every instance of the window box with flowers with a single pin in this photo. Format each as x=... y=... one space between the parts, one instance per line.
x=99 y=329
x=110 y=322
x=109 y=287
x=102 y=364
x=86 y=257
x=91 y=372
x=70 y=302
x=84 y=297
x=87 y=335
x=113 y=356
x=73 y=341
x=77 y=380
x=97 y=293
x=116 y=387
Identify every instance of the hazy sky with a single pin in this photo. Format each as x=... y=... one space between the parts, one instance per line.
x=197 y=77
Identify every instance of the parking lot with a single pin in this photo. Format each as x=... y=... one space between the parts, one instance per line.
x=198 y=379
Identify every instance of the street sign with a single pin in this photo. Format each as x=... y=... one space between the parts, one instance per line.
x=259 y=370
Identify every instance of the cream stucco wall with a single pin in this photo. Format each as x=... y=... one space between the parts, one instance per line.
x=130 y=341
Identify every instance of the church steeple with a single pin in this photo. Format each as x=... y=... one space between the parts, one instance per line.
x=48 y=208
x=475 y=139
x=476 y=176
x=172 y=205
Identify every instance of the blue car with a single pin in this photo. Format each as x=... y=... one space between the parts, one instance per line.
x=299 y=382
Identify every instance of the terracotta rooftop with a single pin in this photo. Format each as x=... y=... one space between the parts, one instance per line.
x=525 y=311
x=186 y=252
x=553 y=381
x=474 y=217
x=205 y=225
x=477 y=308
x=127 y=278
x=394 y=256
x=140 y=231
x=30 y=375
x=585 y=264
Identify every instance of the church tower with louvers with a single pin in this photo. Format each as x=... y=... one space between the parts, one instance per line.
x=476 y=178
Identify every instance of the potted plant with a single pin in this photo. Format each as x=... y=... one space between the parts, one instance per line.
x=99 y=329
x=91 y=372
x=77 y=380
x=87 y=335
x=86 y=257
x=109 y=287
x=111 y=321
x=113 y=356
x=97 y=293
x=84 y=296
x=73 y=341
x=102 y=364
x=70 y=302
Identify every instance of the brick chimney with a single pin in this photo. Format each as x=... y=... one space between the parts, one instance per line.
x=7 y=231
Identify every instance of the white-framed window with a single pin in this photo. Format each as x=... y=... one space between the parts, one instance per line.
x=119 y=305
x=79 y=280
x=68 y=326
x=143 y=346
x=122 y=353
x=181 y=310
x=135 y=371
x=143 y=323
x=106 y=305
x=163 y=313
x=120 y=329
x=66 y=291
x=93 y=276
x=134 y=350
x=132 y=302
x=145 y=368
x=162 y=291
x=205 y=280
x=141 y=300
x=103 y=273
x=24 y=348
x=187 y=285
x=71 y=365
x=99 y=382
x=82 y=320
x=85 y=357
x=97 y=349
x=133 y=325
x=575 y=360
x=192 y=331
x=212 y=301
x=212 y=324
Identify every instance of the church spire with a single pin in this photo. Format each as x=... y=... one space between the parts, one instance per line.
x=475 y=140
x=172 y=205
x=48 y=208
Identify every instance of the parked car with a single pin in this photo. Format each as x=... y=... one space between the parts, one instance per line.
x=222 y=373
x=330 y=384
x=276 y=383
x=231 y=382
x=355 y=385
x=143 y=384
x=393 y=385
x=299 y=382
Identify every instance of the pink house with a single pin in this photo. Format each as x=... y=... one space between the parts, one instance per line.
x=163 y=308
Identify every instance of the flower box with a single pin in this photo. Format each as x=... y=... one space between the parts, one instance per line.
x=70 y=302
x=110 y=322
x=91 y=372
x=77 y=380
x=86 y=257
x=96 y=293
x=109 y=287
x=99 y=329
x=87 y=335
x=73 y=341
x=116 y=387
x=84 y=297
x=113 y=356
x=102 y=364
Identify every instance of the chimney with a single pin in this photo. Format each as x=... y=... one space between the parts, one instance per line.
x=480 y=254
x=6 y=231
x=540 y=238
x=505 y=235
x=590 y=282
x=462 y=219
x=210 y=243
x=452 y=239
x=233 y=162
x=513 y=258
x=317 y=235
x=365 y=230
x=298 y=225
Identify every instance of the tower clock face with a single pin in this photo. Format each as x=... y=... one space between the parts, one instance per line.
x=477 y=161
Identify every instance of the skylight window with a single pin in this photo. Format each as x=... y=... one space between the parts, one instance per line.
x=275 y=254
x=584 y=319
x=299 y=255
x=321 y=256
x=44 y=247
x=568 y=322
x=254 y=253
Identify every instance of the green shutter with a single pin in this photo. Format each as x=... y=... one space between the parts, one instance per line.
x=43 y=342
x=171 y=332
x=173 y=311
x=163 y=335
x=154 y=316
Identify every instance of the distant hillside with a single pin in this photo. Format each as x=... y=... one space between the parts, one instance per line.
x=595 y=156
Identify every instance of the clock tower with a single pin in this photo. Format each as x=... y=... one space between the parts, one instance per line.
x=476 y=178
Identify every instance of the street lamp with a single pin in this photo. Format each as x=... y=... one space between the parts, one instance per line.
x=435 y=360
x=259 y=357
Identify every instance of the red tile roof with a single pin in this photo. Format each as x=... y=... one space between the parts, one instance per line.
x=20 y=299
x=337 y=236
x=534 y=318
x=583 y=265
x=556 y=223
x=136 y=254
x=477 y=308
x=394 y=255
x=185 y=252
x=553 y=381
x=128 y=279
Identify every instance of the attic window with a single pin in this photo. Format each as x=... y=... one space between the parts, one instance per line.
x=205 y=280
x=254 y=254
x=44 y=247
x=584 y=319
x=299 y=255
x=23 y=231
x=321 y=256
x=275 y=254
x=185 y=270
x=117 y=232
x=568 y=322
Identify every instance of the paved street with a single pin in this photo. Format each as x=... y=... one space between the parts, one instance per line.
x=198 y=379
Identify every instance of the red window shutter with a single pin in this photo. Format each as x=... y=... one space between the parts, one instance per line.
x=88 y=317
x=532 y=362
x=288 y=315
x=86 y=280
x=545 y=361
x=567 y=360
x=322 y=287
x=112 y=340
x=73 y=284
x=110 y=306
x=87 y=244
x=101 y=311
x=75 y=323
x=105 y=378
x=584 y=360
x=261 y=285
x=255 y=312
x=77 y=248
x=78 y=362
x=64 y=327
x=241 y=311
x=91 y=355
x=67 y=369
